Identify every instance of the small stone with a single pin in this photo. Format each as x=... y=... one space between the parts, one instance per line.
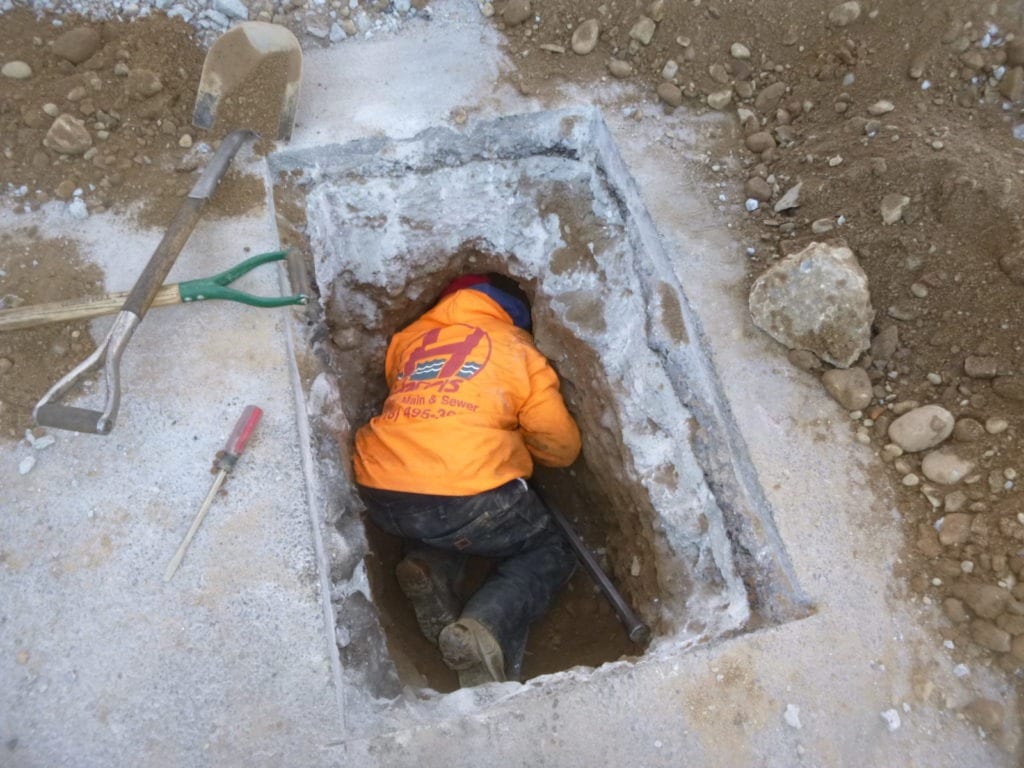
x=986 y=714
x=921 y=428
x=996 y=425
x=985 y=600
x=910 y=480
x=1011 y=623
x=26 y=465
x=720 y=99
x=719 y=74
x=185 y=141
x=789 y=200
x=656 y=10
x=552 y=48
x=988 y=635
x=891 y=451
x=850 y=387
x=890 y=716
x=978 y=367
x=968 y=430
x=16 y=70
x=955 y=611
x=1009 y=387
x=51 y=109
x=670 y=94
x=68 y=136
x=670 y=70
x=759 y=142
x=792 y=716
x=643 y=30
x=821 y=226
x=844 y=14
x=945 y=467
x=955 y=529
x=77 y=45
x=804 y=359
x=143 y=83
x=65 y=190
x=758 y=189
x=882 y=107
x=585 y=38
x=769 y=98
x=5 y=365
x=1015 y=52
x=884 y=345
x=739 y=51
x=620 y=68
x=1012 y=265
x=1011 y=87
x=892 y=207
x=955 y=501
x=516 y=12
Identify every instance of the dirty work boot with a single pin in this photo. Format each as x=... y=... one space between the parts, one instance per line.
x=433 y=600
x=468 y=647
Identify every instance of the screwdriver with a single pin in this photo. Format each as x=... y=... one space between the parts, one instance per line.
x=224 y=462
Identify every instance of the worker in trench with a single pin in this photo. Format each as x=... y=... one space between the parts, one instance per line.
x=472 y=404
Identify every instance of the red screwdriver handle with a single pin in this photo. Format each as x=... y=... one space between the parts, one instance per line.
x=239 y=438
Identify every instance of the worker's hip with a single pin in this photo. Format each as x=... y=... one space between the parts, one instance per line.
x=493 y=523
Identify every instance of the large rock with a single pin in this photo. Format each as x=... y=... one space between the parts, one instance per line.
x=922 y=428
x=68 y=136
x=816 y=299
x=77 y=45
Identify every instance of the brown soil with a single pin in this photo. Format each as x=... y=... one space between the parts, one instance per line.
x=34 y=270
x=136 y=154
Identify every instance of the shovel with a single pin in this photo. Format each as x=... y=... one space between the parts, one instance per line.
x=237 y=57
x=48 y=413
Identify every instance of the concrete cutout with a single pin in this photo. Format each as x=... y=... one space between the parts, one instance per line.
x=547 y=197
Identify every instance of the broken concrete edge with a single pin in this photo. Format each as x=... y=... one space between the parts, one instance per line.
x=288 y=280
x=729 y=470
x=727 y=467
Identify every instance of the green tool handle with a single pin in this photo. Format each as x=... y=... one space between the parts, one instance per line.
x=215 y=287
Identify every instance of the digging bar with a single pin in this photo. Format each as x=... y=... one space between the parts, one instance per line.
x=636 y=630
x=49 y=413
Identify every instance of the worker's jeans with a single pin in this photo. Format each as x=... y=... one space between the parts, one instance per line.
x=509 y=523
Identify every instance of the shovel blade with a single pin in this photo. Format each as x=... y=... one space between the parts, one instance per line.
x=234 y=59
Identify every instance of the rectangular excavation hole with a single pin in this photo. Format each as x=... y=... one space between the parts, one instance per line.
x=665 y=491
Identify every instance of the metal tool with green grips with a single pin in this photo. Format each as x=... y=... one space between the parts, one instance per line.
x=203 y=289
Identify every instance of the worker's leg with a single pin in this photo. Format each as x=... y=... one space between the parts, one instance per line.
x=536 y=561
x=428 y=576
x=508 y=522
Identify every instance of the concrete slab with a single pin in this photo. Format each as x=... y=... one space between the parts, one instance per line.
x=102 y=663
x=233 y=663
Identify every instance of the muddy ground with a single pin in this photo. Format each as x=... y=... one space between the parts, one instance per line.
x=855 y=102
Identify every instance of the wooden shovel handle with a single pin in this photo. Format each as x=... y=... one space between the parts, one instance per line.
x=77 y=309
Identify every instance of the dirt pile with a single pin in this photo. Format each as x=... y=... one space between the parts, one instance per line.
x=892 y=128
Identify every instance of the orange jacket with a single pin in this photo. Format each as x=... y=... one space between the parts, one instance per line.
x=472 y=403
